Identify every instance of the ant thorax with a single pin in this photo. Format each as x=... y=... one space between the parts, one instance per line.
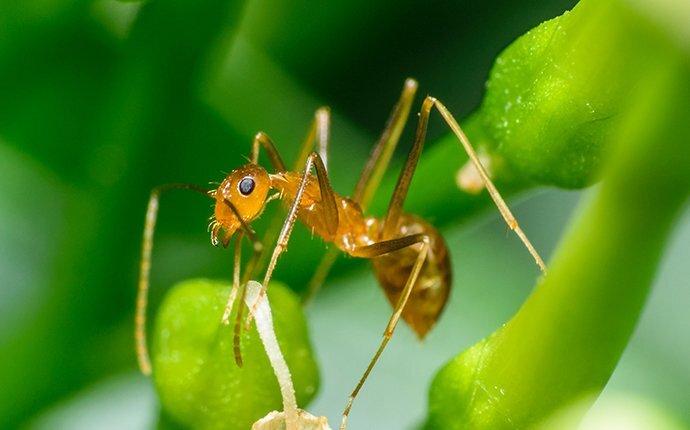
x=354 y=229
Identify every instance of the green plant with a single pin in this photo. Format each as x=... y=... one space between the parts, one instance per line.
x=102 y=100
x=195 y=374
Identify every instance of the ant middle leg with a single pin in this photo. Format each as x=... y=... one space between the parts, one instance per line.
x=395 y=207
x=376 y=250
x=371 y=176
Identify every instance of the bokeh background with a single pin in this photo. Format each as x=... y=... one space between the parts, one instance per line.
x=102 y=100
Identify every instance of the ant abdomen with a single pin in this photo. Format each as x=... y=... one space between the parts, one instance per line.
x=432 y=287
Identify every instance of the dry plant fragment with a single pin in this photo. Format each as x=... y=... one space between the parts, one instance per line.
x=291 y=418
x=276 y=421
x=469 y=179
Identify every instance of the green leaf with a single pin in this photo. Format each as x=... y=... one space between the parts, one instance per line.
x=196 y=377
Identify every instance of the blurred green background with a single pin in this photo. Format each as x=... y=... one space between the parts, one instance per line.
x=102 y=100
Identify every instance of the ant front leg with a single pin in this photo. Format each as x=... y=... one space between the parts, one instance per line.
x=373 y=251
x=330 y=213
x=403 y=185
x=237 y=262
x=239 y=285
x=145 y=270
x=245 y=230
x=318 y=135
x=237 y=351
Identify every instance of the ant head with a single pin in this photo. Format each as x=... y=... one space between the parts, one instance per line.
x=246 y=189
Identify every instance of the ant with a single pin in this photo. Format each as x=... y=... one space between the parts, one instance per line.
x=409 y=256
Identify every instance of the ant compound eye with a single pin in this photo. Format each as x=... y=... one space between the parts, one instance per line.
x=246 y=186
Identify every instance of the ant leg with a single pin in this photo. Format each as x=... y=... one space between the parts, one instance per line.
x=237 y=261
x=491 y=188
x=236 y=283
x=251 y=266
x=236 y=349
x=371 y=176
x=403 y=185
x=319 y=131
x=380 y=156
x=145 y=270
x=319 y=134
x=330 y=214
x=400 y=193
x=372 y=251
x=262 y=140
x=237 y=352
x=258 y=250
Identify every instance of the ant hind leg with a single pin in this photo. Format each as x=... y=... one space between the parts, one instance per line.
x=396 y=203
x=372 y=251
x=490 y=187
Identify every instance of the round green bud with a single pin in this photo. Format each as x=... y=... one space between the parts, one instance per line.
x=198 y=382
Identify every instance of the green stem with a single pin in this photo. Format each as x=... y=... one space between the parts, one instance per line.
x=565 y=341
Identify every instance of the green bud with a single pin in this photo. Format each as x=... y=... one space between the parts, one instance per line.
x=198 y=382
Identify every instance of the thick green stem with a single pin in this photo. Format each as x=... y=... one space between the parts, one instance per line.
x=565 y=341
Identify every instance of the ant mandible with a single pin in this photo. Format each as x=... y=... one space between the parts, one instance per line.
x=409 y=256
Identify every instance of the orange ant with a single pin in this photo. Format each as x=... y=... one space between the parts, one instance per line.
x=409 y=256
